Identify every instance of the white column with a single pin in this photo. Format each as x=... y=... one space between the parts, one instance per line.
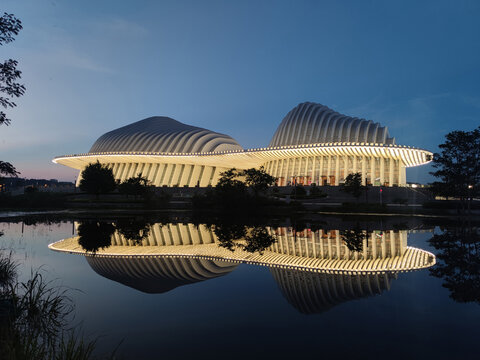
x=186 y=173
x=167 y=176
x=321 y=170
x=402 y=174
x=382 y=171
x=195 y=176
x=314 y=160
x=364 y=169
x=205 y=175
x=372 y=170
x=337 y=169
x=216 y=175
x=329 y=167
x=390 y=174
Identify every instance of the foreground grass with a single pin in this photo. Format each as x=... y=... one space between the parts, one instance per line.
x=35 y=317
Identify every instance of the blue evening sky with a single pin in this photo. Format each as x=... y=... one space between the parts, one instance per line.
x=237 y=67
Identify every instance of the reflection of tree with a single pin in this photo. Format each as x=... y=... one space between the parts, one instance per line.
x=354 y=238
x=133 y=229
x=258 y=239
x=255 y=239
x=95 y=235
x=458 y=262
x=229 y=234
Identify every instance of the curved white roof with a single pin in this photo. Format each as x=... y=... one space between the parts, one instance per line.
x=311 y=123
x=158 y=275
x=312 y=293
x=164 y=135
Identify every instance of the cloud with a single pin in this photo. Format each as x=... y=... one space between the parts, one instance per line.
x=75 y=59
x=120 y=27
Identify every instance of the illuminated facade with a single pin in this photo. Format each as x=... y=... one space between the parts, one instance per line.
x=313 y=144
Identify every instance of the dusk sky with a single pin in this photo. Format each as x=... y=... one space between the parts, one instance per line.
x=237 y=67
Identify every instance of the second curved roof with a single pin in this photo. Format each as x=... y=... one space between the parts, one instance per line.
x=312 y=123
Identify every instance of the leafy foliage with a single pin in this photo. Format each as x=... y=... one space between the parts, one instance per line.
x=258 y=179
x=10 y=26
x=353 y=184
x=97 y=179
x=8 y=169
x=458 y=262
x=354 y=238
x=229 y=181
x=250 y=239
x=9 y=74
x=136 y=186
x=458 y=165
x=299 y=191
x=94 y=236
x=238 y=180
x=135 y=230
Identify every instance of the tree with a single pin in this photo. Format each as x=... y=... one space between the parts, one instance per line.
x=7 y=169
x=258 y=179
x=229 y=181
x=458 y=165
x=458 y=261
x=353 y=184
x=97 y=179
x=94 y=236
x=136 y=186
x=135 y=230
x=354 y=238
x=10 y=26
x=229 y=190
x=233 y=236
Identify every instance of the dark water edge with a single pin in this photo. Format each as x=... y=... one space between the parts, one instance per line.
x=245 y=313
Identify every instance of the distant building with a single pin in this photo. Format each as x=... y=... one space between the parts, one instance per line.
x=17 y=185
x=313 y=144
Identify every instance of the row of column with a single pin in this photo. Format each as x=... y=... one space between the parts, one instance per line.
x=332 y=170
x=330 y=245
x=171 y=234
x=167 y=174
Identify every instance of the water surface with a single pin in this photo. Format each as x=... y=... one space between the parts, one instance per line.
x=183 y=306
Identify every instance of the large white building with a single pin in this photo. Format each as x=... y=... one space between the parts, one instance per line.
x=313 y=144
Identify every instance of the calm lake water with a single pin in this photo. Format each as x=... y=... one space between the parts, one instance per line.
x=184 y=301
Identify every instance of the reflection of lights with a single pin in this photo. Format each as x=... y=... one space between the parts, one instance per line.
x=470 y=186
x=414 y=185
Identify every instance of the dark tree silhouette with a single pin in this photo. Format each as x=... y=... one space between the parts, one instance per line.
x=94 y=236
x=458 y=262
x=135 y=230
x=258 y=179
x=236 y=236
x=353 y=184
x=10 y=26
x=136 y=186
x=97 y=179
x=458 y=165
x=229 y=233
x=353 y=238
x=229 y=181
x=258 y=240
x=7 y=169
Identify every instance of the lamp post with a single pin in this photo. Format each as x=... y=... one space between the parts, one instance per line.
x=470 y=187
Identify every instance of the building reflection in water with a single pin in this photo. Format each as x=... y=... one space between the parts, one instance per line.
x=314 y=269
